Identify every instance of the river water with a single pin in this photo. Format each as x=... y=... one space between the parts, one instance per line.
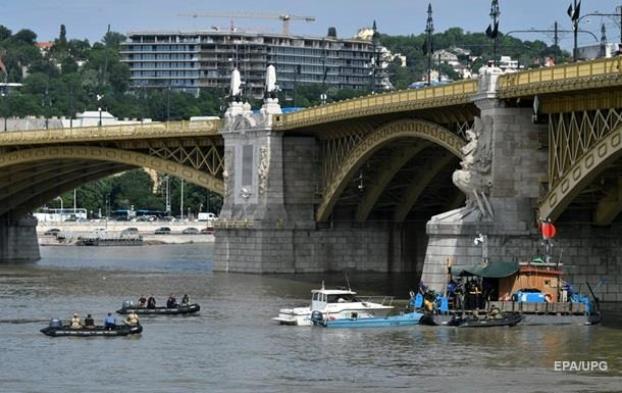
x=233 y=346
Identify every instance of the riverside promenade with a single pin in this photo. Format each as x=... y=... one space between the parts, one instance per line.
x=72 y=230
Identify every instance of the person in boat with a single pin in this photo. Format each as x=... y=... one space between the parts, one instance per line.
x=495 y=313
x=451 y=292
x=110 y=322
x=142 y=301
x=185 y=300
x=132 y=319
x=151 y=302
x=89 y=322
x=171 y=302
x=75 y=322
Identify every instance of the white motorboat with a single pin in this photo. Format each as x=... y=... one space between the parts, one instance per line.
x=334 y=304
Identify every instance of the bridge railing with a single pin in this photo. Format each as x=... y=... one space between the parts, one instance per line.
x=553 y=79
x=454 y=93
x=112 y=132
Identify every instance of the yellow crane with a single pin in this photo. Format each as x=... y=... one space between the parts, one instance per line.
x=285 y=18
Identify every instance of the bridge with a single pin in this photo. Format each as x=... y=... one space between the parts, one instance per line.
x=399 y=182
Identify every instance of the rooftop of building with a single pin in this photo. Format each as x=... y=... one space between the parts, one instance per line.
x=241 y=33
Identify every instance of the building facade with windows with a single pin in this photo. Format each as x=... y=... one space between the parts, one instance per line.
x=190 y=61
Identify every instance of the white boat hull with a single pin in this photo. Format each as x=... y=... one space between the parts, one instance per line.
x=301 y=316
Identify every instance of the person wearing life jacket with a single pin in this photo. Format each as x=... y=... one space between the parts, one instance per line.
x=151 y=302
x=185 y=300
x=142 y=301
x=89 y=322
x=171 y=302
x=75 y=322
x=132 y=319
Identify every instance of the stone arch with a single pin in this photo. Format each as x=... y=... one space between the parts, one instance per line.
x=125 y=157
x=582 y=173
x=407 y=128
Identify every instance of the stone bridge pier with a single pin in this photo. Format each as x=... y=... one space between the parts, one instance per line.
x=18 y=240
x=267 y=223
x=503 y=169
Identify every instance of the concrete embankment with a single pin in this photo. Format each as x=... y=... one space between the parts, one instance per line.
x=71 y=231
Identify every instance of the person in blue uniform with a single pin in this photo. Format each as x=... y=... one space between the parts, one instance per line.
x=110 y=322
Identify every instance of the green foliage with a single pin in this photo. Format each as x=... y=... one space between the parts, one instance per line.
x=135 y=188
x=25 y=36
x=5 y=33
x=528 y=53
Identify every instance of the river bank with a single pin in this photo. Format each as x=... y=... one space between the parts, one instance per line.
x=69 y=232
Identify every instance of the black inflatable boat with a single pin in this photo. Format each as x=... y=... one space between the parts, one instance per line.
x=507 y=319
x=97 y=331
x=181 y=309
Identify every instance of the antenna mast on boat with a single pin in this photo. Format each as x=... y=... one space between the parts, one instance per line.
x=347 y=281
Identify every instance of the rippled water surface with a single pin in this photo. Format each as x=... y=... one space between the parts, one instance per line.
x=234 y=346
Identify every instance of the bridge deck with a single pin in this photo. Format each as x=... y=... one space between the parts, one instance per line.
x=112 y=133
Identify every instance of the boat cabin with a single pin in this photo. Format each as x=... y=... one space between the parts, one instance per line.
x=544 y=277
x=321 y=297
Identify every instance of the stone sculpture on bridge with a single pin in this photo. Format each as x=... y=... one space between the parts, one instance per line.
x=474 y=177
x=271 y=87
x=236 y=83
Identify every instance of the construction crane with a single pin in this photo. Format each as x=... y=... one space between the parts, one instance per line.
x=285 y=18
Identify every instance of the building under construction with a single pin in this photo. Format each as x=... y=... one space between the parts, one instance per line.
x=191 y=61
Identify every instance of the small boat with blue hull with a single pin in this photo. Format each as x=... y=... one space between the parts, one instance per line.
x=57 y=329
x=406 y=319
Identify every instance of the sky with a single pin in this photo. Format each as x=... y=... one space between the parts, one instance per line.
x=89 y=18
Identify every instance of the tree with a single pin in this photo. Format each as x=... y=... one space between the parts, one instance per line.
x=62 y=37
x=25 y=36
x=5 y=33
x=112 y=39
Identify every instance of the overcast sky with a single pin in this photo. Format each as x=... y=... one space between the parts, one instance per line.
x=89 y=18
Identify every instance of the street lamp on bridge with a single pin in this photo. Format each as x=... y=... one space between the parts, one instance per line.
x=429 y=29
x=492 y=31
x=99 y=108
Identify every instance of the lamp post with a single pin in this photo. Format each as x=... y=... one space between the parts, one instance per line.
x=61 y=207
x=493 y=29
x=429 y=29
x=573 y=13
x=46 y=106
x=107 y=209
x=168 y=200
x=181 y=201
x=4 y=101
x=99 y=108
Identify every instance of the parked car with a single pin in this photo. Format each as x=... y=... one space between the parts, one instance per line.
x=51 y=232
x=207 y=231
x=163 y=231
x=190 y=231
x=130 y=231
